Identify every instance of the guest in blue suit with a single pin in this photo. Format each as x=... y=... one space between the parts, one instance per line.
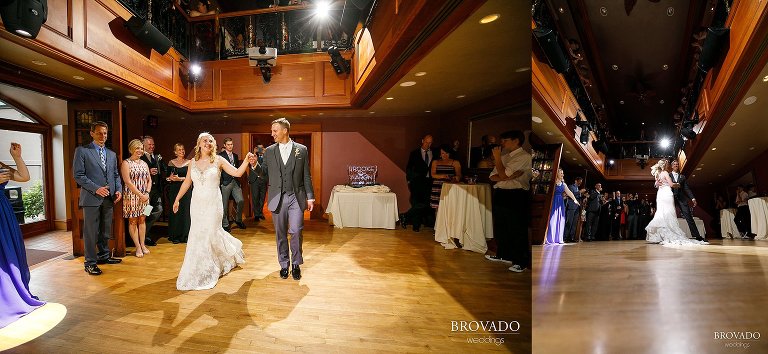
x=15 y=297
x=96 y=173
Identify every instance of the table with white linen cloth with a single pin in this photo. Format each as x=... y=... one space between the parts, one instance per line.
x=464 y=213
x=373 y=207
x=728 y=223
x=758 y=211
x=699 y=225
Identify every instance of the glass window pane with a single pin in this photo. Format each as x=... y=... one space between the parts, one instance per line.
x=27 y=198
x=10 y=113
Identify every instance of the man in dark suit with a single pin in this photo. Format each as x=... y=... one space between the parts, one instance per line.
x=617 y=205
x=230 y=186
x=417 y=173
x=257 y=181
x=684 y=199
x=95 y=170
x=482 y=152
x=157 y=173
x=290 y=193
x=572 y=212
x=593 y=212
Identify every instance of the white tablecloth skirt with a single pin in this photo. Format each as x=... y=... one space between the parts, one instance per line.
x=699 y=225
x=365 y=210
x=758 y=211
x=728 y=223
x=464 y=213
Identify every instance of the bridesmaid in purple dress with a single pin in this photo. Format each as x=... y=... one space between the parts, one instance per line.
x=15 y=298
x=557 y=214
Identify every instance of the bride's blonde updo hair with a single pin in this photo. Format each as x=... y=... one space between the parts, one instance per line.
x=658 y=167
x=198 y=154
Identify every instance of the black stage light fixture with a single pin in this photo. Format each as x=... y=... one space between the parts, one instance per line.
x=584 y=136
x=711 y=50
x=149 y=35
x=24 y=17
x=547 y=39
x=340 y=65
x=686 y=129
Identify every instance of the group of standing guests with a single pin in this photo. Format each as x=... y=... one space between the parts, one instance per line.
x=605 y=216
x=429 y=169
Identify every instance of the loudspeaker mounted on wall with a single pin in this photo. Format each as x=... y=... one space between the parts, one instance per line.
x=24 y=17
x=713 y=45
x=149 y=35
x=547 y=39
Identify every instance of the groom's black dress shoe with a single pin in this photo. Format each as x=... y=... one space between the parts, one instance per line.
x=284 y=273
x=240 y=224
x=148 y=241
x=109 y=261
x=228 y=229
x=92 y=270
x=296 y=271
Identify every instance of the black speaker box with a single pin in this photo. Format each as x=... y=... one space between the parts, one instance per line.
x=547 y=39
x=24 y=17
x=149 y=35
x=713 y=46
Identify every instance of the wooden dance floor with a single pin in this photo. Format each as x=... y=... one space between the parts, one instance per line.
x=362 y=291
x=633 y=297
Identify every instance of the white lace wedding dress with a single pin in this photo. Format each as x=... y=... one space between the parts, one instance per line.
x=211 y=251
x=664 y=228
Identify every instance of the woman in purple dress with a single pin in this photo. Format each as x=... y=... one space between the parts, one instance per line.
x=15 y=298
x=557 y=214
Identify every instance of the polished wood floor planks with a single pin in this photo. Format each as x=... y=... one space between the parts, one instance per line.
x=362 y=291
x=633 y=297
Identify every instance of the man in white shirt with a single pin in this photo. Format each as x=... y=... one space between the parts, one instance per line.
x=511 y=199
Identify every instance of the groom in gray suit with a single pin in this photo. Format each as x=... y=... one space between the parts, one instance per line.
x=95 y=171
x=290 y=193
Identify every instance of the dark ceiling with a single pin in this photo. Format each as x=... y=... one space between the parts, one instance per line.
x=634 y=58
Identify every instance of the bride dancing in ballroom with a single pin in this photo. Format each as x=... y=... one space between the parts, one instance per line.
x=664 y=228
x=211 y=251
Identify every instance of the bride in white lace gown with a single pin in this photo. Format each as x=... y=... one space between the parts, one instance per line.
x=664 y=228
x=211 y=251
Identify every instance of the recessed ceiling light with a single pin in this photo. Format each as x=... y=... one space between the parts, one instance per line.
x=523 y=69
x=750 y=100
x=733 y=164
x=303 y=115
x=390 y=98
x=567 y=152
x=490 y=18
x=371 y=112
x=183 y=118
x=420 y=73
x=573 y=158
x=271 y=115
x=615 y=67
x=427 y=111
x=693 y=175
x=461 y=96
x=76 y=77
x=321 y=113
x=719 y=175
x=733 y=124
x=131 y=97
x=713 y=149
x=621 y=102
x=603 y=11
x=225 y=115
x=408 y=83
x=536 y=119
x=107 y=88
x=664 y=67
x=661 y=101
x=765 y=78
x=50 y=96
x=698 y=168
x=41 y=63
x=751 y=147
x=549 y=133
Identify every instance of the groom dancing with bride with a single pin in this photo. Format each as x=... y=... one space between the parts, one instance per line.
x=664 y=228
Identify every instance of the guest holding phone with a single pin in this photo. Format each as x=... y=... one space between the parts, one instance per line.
x=138 y=184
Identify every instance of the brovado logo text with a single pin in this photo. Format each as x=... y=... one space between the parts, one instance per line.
x=737 y=335
x=508 y=327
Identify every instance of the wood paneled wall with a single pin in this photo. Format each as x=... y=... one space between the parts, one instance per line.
x=551 y=92
x=726 y=84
